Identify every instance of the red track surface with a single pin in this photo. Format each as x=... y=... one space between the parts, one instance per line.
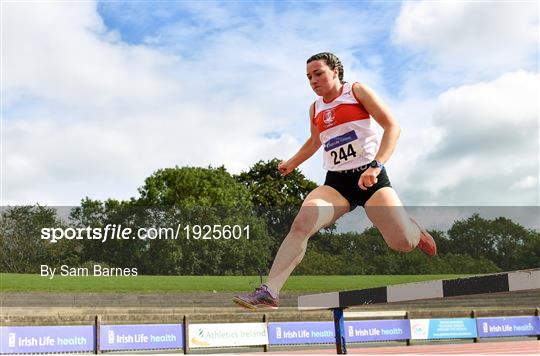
x=487 y=348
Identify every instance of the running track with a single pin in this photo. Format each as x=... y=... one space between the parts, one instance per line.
x=531 y=347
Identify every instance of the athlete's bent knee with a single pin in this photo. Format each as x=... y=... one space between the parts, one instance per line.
x=401 y=244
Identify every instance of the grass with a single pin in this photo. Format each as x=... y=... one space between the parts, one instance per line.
x=176 y=284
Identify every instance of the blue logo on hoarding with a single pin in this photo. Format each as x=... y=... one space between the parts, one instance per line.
x=289 y=333
x=40 y=339
x=510 y=326
x=378 y=330
x=141 y=337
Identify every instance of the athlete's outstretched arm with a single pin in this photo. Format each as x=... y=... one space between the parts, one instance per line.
x=311 y=146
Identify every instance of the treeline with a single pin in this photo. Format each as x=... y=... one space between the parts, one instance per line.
x=260 y=199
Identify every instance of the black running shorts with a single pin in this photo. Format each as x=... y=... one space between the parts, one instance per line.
x=346 y=183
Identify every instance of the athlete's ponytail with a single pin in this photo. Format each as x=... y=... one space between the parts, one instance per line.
x=331 y=61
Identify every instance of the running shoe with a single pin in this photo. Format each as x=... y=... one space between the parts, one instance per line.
x=259 y=299
x=427 y=243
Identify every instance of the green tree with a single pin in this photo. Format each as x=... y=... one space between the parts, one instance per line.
x=267 y=187
x=175 y=199
x=22 y=248
x=529 y=255
x=499 y=240
x=192 y=187
x=321 y=263
x=276 y=198
x=206 y=197
x=115 y=214
x=463 y=263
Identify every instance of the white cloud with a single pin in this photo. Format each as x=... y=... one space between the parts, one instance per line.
x=88 y=114
x=488 y=144
x=527 y=182
x=62 y=54
x=483 y=37
x=479 y=138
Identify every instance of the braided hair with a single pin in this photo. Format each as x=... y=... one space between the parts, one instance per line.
x=331 y=61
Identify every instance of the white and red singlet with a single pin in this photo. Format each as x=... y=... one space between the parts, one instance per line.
x=346 y=131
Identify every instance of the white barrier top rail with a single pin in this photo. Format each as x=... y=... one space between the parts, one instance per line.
x=375 y=314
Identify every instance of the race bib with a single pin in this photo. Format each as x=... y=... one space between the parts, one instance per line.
x=342 y=149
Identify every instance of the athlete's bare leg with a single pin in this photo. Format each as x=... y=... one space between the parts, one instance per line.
x=388 y=215
x=322 y=207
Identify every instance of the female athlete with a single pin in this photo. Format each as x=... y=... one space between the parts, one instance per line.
x=342 y=120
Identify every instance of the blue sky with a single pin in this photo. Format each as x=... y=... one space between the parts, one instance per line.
x=121 y=89
x=137 y=22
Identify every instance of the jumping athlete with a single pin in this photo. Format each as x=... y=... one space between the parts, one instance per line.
x=342 y=121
